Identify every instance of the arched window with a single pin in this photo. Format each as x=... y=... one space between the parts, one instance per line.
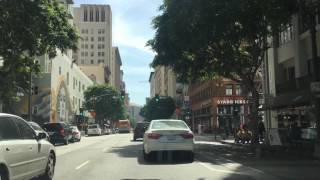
x=103 y=15
x=97 y=14
x=85 y=14
x=91 y=14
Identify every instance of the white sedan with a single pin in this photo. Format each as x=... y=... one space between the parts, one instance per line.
x=94 y=129
x=168 y=135
x=24 y=153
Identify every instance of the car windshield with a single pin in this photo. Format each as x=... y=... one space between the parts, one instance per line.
x=52 y=127
x=93 y=126
x=169 y=125
x=35 y=126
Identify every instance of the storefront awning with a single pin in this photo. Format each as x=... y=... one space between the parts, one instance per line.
x=291 y=99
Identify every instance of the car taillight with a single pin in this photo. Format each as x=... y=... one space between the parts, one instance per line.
x=62 y=132
x=187 y=135
x=154 y=135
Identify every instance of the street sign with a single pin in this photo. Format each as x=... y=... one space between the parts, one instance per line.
x=315 y=87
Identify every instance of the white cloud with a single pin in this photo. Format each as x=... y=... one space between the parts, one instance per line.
x=123 y=35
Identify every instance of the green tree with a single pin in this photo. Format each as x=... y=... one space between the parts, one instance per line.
x=202 y=39
x=105 y=101
x=159 y=107
x=30 y=29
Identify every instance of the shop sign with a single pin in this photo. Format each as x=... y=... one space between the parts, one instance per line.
x=230 y=101
x=315 y=87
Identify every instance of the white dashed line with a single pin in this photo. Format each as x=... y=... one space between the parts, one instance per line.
x=81 y=165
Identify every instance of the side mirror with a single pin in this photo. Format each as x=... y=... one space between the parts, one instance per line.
x=41 y=135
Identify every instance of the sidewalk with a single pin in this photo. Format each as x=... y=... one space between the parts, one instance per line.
x=213 y=138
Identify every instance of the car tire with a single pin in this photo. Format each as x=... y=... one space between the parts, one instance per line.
x=3 y=174
x=190 y=157
x=66 y=142
x=146 y=156
x=48 y=175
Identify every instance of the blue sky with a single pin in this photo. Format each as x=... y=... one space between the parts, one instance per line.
x=131 y=21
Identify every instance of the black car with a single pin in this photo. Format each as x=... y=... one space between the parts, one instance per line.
x=139 y=130
x=58 y=132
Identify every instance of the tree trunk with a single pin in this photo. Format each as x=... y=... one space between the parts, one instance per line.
x=254 y=114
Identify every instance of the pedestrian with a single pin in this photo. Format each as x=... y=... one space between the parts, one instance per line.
x=261 y=130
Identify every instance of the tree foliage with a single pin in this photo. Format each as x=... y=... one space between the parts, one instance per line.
x=105 y=101
x=201 y=39
x=160 y=107
x=29 y=29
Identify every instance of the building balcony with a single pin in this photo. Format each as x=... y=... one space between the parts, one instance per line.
x=297 y=84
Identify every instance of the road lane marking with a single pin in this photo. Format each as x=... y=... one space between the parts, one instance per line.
x=81 y=165
x=220 y=170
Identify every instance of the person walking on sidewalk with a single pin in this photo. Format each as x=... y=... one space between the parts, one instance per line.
x=261 y=130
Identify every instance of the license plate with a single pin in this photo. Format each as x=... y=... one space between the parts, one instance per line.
x=50 y=133
x=171 y=138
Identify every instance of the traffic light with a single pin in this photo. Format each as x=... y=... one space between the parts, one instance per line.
x=81 y=111
x=157 y=98
x=123 y=95
x=35 y=90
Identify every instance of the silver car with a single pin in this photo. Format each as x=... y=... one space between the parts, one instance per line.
x=24 y=154
x=168 y=135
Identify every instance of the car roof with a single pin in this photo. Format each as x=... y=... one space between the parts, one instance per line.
x=177 y=120
x=8 y=115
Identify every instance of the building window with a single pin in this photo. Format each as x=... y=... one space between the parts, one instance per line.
x=92 y=39
x=79 y=86
x=82 y=46
x=238 y=89
x=82 y=87
x=92 y=54
x=102 y=31
x=102 y=53
x=91 y=14
x=92 y=46
x=97 y=15
x=102 y=39
x=82 y=53
x=85 y=15
x=92 y=61
x=59 y=70
x=86 y=54
x=229 y=89
x=99 y=46
x=286 y=36
x=86 y=46
x=103 y=15
x=86 y=38
x=98 y=61
x=82 y=61
x=99 y=54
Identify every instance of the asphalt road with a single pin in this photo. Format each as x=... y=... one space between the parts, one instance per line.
x=117 y=157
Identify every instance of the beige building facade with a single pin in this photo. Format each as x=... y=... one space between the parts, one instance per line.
x=94 y=23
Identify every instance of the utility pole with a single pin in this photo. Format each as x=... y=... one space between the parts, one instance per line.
x=30 y=95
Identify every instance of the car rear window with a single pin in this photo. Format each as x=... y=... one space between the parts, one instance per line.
x=92 y=126
x=169 y=125
x=52 y=127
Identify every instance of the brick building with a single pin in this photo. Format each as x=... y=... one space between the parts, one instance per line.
x=218 y=103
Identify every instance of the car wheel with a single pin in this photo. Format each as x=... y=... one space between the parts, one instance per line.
x=146 y=156
x=3 y=174
x=48 y=175
x=190 y=156
x=66 y=142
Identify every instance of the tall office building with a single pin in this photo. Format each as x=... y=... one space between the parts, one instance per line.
x=94 y=23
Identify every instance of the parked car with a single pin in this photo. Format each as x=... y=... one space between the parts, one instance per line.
x=76 y=134
x=24 y=153
x=168 y=135
x=58 y=132
x=94 y=129
x=38 y=129
x=139 y=130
